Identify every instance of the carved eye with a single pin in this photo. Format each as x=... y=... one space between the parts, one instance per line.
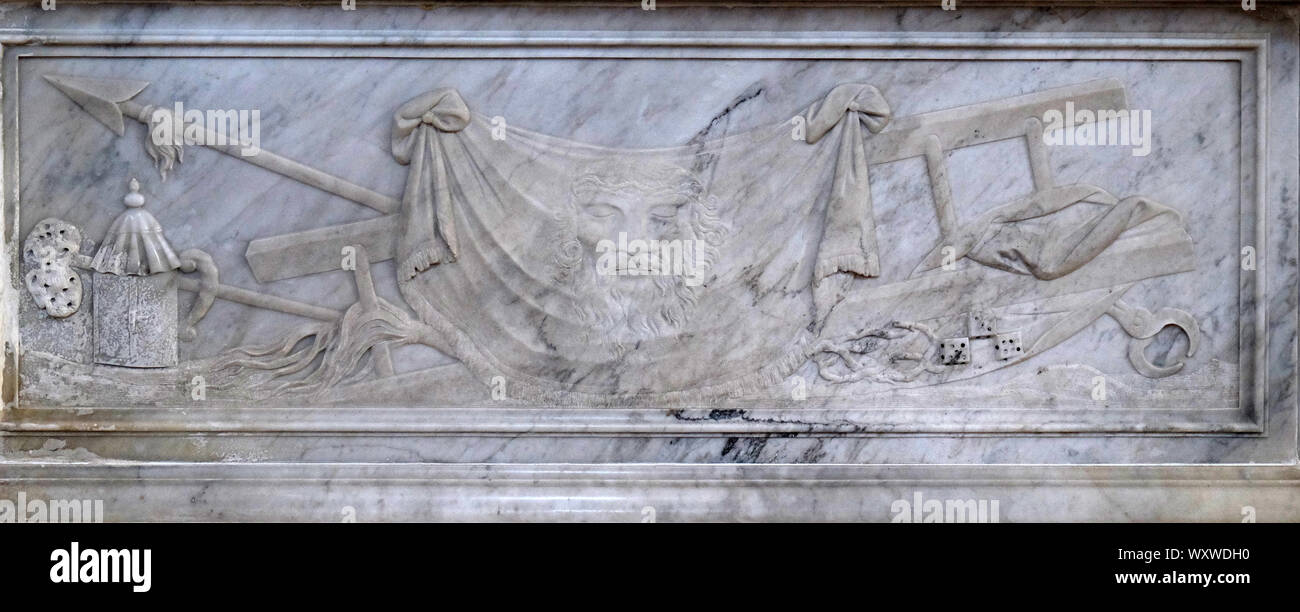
x=664 y=213
x=600 y=211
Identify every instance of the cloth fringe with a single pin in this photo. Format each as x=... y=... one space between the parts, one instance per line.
x=855 y=263
x=427 y=255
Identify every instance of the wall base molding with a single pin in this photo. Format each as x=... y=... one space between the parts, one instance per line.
x=659 y=492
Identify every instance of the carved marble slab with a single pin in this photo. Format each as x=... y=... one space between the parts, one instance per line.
x=798 y=245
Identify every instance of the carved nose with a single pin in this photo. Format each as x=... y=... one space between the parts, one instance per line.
x=640 y=227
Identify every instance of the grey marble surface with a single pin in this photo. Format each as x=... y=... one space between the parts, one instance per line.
x=326 y=84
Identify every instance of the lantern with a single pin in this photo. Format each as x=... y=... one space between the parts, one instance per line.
x=134 y=289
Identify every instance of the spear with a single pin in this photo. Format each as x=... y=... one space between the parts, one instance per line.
x=110 y=100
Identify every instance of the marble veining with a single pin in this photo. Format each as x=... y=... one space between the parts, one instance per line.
x=599 y=239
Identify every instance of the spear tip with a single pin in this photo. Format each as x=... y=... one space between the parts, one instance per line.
x=99 y=97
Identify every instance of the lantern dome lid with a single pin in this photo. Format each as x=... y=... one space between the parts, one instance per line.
x=135 y=244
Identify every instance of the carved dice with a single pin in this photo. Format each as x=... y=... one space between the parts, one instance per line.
x=980 y=324
x=1008 y=345
x=51 y=281
x=954 y=351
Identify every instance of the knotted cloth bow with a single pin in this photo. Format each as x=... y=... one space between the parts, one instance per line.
x=849 y=242
x=430 y=237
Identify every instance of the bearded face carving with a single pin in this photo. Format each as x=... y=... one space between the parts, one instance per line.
x=635 y=246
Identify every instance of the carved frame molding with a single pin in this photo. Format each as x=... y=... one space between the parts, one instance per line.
x=1248 y=418
x=677 y=491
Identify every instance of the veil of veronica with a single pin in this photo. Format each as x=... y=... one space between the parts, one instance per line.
x=503 y=233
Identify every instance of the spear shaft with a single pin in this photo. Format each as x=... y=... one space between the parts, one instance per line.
x=109 y=99
x=277 y=163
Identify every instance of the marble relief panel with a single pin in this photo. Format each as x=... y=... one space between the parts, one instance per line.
x=829 y=234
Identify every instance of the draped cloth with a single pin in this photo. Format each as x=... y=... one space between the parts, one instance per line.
x=431 y=234
x=849 y=244
x=500 y=247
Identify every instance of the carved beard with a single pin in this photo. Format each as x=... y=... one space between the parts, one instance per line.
x=625 y=310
